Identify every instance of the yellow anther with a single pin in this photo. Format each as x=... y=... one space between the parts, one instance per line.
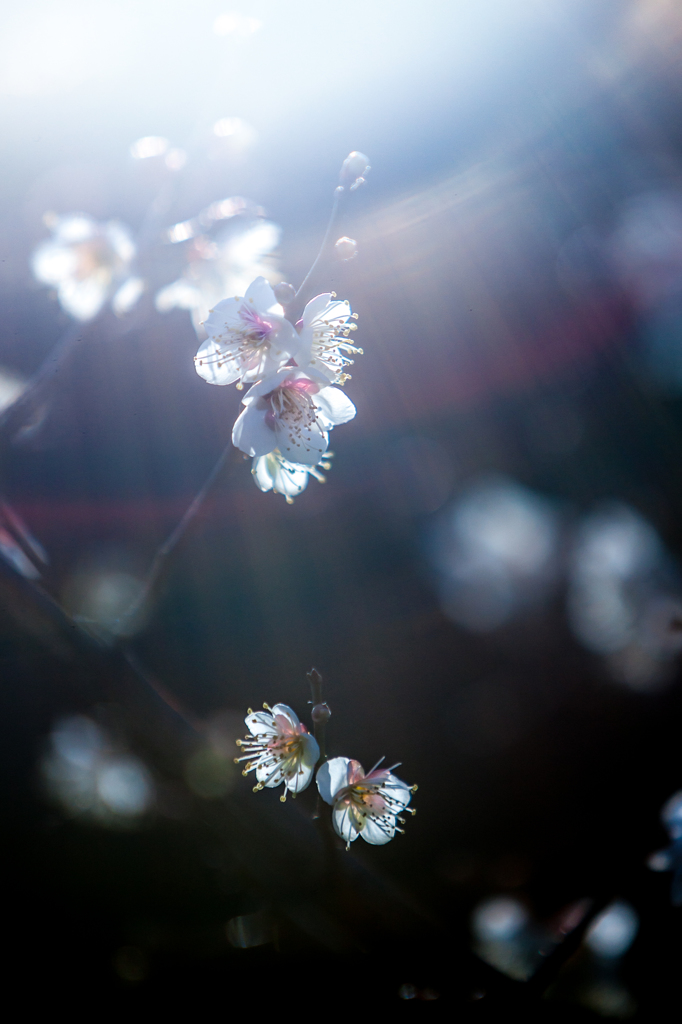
x=266 y=706
x=238 y=742
x=240 y=386
x=249 y=711
x=414 y=788
x=283 y=799
x=245 y=773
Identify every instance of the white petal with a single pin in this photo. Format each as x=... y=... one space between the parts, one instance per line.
x=127 y=295
x=332 y=776
x=120 y=238
x=271 y=776
x=343 y=825
x=305 y=448
x=215 y=364
x=264 y=470
x=311 y=750
x=286 y=712
x=260 y=723
x=301 y=780
x=83 y=299
x=224 y=315
x=265 y=386
x=290 y=479
x=52 y=263
x=315 y=307
x=377 y=836
x=251 y=434
x=335 y=407
x=397 y=790
x=76 y=227
x=263 y=297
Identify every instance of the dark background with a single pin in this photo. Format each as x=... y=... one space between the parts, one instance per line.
x=493 y=140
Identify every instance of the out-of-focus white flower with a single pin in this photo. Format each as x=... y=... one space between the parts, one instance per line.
x=292 y=412
x=89 y=776
x=280 y=750
x=364 y=805
x=324 y=329
x=248 y=337
x=495 y=553
x=624 y=596
x=272 y=472
x=224 y=265
x=88 y=263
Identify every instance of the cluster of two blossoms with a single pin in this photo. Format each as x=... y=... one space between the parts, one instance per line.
x=280 y=750
x=292 y=404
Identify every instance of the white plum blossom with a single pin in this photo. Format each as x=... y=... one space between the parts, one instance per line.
x=363 y=805
x=280 y=750
x=273 y=472
x=248 y=338
x=221 y=265
x=324 y=328
x=88 y=263
x=293 y=412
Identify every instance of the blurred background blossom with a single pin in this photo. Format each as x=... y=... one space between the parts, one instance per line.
x=625 y=596
x=88 y=263
x=221 y=262
x=91 y=776
x=495 y=552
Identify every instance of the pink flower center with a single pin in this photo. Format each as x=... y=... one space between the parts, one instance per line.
x=259 y=329
x=291 y=402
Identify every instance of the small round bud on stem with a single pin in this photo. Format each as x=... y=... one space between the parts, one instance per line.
x=284 y=293
x=345 y=248
x=321 y=714
x=354 y=169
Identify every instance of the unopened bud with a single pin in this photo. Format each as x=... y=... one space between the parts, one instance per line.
x=314 y=676
x=354 y=167
x=345 y=248
x=284 y=293
x=321 y=714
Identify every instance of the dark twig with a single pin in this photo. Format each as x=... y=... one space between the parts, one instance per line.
x=171 y=542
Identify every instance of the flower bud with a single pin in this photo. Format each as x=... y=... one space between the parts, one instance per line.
x=321 y=714
x=354 y=167
x=345 y=248
x=284 y=293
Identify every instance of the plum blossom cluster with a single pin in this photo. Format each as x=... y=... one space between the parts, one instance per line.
x=292 y=403
x=281 y=751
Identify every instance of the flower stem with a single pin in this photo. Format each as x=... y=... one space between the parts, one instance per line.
x=320 y=716
x=338 y=192
x=173 y=539
x=15 y=415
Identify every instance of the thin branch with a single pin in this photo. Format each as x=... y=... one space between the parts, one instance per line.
x=172 y=541
x=338 y=192
x=42 y=379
